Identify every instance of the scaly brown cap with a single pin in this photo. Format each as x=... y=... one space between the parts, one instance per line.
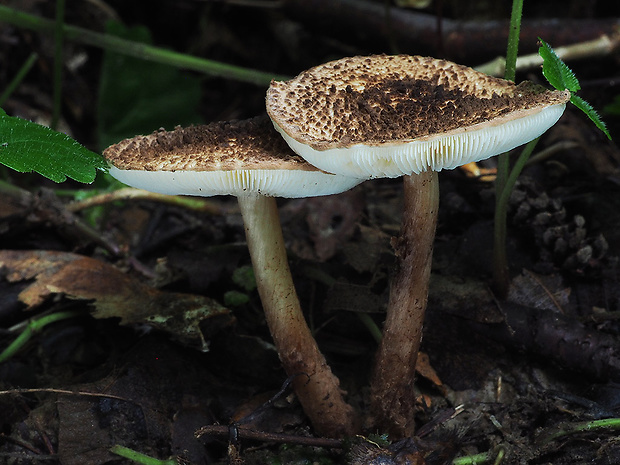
x=232 y=157
x=387 y=102
x=219 y=146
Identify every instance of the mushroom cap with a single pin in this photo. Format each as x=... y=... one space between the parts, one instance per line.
x=232 y=157
x=385 y=116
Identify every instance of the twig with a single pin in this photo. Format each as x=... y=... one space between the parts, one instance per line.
x=129 y=193
x=46 y=208
x=245 y=433
x=65 y=391
x=463 y=41
x=602 y=46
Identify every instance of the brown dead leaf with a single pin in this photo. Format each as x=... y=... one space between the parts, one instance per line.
x=424 y=368
x=113 y=293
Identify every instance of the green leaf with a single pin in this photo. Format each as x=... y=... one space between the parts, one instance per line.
x=26 y=146
x=590 y=113
x=562 y=77
x=139 y=96
x=244 y=277
x=556 y=71
x=235 y=298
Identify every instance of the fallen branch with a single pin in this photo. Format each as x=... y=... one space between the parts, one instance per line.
x=467 y=42
x=602 y=46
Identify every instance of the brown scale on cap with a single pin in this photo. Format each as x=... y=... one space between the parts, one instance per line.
x=378 y=99
x=247 y=144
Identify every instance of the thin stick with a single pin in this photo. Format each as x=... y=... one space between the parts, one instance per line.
x=318 y=391
x=602 y=46
x=223 y=431
x=392 y=400
x=65 y=391
x=129 y=193
x=139 y=50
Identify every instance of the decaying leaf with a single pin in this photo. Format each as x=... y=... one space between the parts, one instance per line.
x=424 y=368
x=542 y=292
x=113 y=294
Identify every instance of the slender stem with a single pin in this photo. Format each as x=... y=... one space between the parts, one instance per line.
x=371 y=326
x=512 y=52
x=606 y=424
x=501 y=277
x=31 y=329
x=392 y=400
x=138 y=50
x=513 y=40
x=316 y=386
x=19 y=77
x=58 y=62
x=139 y=457
x=477 y=459
x=503 y=161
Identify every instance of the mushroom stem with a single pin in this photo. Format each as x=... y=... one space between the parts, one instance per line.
x=393 y=404
x=316 y=386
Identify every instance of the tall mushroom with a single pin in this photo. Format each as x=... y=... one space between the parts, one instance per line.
x=389 y=116
x=250 y=160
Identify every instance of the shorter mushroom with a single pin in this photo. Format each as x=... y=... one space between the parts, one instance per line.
x=389 y=116
x=250 y=160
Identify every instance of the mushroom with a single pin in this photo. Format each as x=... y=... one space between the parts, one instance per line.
x=389 y=116
x=250 y=160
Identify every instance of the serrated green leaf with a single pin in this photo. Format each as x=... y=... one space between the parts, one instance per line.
x=556 y=71
x=590 y=113
x=26 y=146
x=562 y=77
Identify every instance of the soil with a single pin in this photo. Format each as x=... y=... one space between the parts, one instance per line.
x=166 y=335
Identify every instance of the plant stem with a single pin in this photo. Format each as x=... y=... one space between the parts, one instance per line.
x=501 y=276
x=32 y=328
x=58 y=62
x=393 y=404
x=606 y=424
x=19 y=77
x=477 y=459
x=316 y=386
x=503 y=161
x=139 y=50
x=371 y=326
x=513 y=40
x=139 y=457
